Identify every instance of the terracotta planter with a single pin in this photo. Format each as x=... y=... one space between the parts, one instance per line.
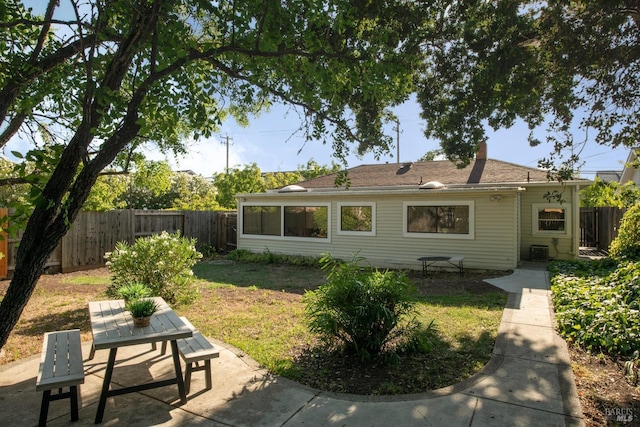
x=141 y=322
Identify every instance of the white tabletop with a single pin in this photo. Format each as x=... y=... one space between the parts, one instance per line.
x=112 y=326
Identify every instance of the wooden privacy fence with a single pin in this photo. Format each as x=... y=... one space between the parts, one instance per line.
x=95 y=233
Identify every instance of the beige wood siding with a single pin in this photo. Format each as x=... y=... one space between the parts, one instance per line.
x=561 y=246
x=493 y=247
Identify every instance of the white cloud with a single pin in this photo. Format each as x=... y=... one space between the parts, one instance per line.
x=205 y=157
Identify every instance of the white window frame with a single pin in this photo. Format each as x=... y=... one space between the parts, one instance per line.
x=535 y=207
x=282 y=231
x=241 y=220
x=472 y=224
x=372 y=232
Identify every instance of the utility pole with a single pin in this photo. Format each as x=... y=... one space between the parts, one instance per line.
x=397 y=129
x=227 y=141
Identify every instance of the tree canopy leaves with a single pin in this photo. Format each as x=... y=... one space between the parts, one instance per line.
x=568 y=67
x=602 y=194
x=88 y=83
x=91 y=83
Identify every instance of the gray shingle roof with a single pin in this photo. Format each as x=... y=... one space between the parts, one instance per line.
x=482 y=172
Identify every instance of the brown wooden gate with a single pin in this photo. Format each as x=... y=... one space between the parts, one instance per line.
x=599 y=226
x=589 y=227
x=227 y=231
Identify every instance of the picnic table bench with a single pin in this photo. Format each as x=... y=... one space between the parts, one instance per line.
x=60 y=366
x=454 y=260
x=194 y=350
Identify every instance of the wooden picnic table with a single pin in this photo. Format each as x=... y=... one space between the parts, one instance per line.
x=112 y=328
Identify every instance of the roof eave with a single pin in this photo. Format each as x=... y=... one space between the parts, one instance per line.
x=316 y=192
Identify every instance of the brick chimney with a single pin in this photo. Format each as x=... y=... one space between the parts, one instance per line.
x=481 y=154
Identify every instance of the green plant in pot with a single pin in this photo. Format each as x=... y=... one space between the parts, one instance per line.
x=134 y=291
x=141 y=310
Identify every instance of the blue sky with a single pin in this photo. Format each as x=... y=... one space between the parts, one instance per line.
x=271 y=142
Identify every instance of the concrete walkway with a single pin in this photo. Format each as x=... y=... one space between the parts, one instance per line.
x=528 y=382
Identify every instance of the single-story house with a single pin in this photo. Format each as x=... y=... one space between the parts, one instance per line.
x=630 y=173
x=492 y=213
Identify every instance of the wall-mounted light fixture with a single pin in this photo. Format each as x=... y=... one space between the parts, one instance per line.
x=495 y=197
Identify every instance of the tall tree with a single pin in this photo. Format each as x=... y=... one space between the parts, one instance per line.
x=312 y=169
x=246 y=180
x=192 y=192
x=148 y=186
x=101 y=77
x=570 y=66
x=602 y=193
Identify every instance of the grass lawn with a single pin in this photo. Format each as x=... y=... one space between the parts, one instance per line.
x=257 y=308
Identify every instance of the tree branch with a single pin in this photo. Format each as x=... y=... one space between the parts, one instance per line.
x=12 y=128
x=16 y=83
x=44 y=30
x=283 y=96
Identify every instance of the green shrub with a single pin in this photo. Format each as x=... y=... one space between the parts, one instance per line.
x=597 y=304
x=627 y=244
x=268 y=257
x=208 y=251
x=162 y=262
x=361 y=308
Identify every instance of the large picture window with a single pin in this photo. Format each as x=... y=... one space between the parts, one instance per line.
x=442 y=220
x=550 y=219
x=261 y=220
x=356 y=219
x=285 y=221
x=305 y=221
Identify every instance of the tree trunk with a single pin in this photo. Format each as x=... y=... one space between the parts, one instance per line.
x=25 y=277
x=63 y=196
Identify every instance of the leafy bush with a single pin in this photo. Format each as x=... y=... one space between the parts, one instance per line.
x=162 y=262
x=361 y=308
x=597 y=304
x=208 y=251
x=627 y=244
x=268 y=257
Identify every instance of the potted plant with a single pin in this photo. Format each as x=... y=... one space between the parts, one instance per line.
x=134 y=291
x=141 y=310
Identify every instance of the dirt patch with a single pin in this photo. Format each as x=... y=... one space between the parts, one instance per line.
x=606 y=396
x=451 y=283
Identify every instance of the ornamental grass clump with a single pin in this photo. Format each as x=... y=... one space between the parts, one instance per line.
x=161 y=262
x=134 y=291
x=361 y=309
x=141 y=307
